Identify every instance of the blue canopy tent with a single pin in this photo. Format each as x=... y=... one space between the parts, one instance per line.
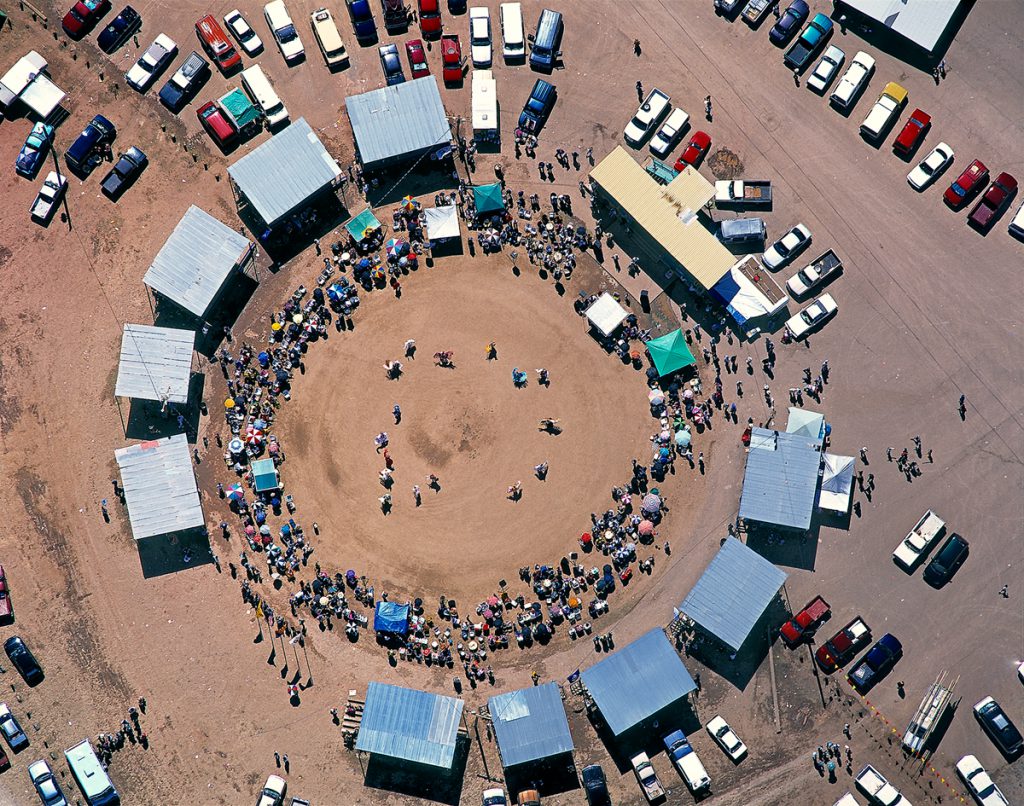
x=488 y=199
x=391 y=617
x=264 y=475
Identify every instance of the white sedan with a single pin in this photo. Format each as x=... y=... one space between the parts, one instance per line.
x=494 y=797
x=727 y=739
x=826 y=68
x=243 y=32
x=787 y=247
x=928 y=169
x=813 y=316
x=152 y=62
x=671 y=130
x=480 y=36
x=977 y=780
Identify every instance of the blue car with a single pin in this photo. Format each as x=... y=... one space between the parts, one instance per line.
x=392 y=64
x=876 y=663
x=34 y=151
x=362 y=20
x=121 y=27
x=790 y=21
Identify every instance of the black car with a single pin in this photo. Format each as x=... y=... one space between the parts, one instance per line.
x=595 y=785
x=392 y=64
x=84 y=154
x=946 y=561
x=124 y=172
x=121 y=27
x=789 y=23
x=24 y=661
x=998 y=726
x=456 y=6
x=538 y=106
x=186 y=82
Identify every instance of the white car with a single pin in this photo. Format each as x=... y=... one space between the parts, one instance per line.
x=273 y=791
x=928 y=169
x=814 y=274
x=879 y=791
x=981 y=786
x=853 y=81
x=243 y=32
x=651 y=112
x=151 y=63
x=787 y=247
x=1017 y=228
x=283 y=28
x=719 y=730
x=495 y=797
x=668 y=135
x=46 y=785
x=826 y=68
x=813 y=316
x=480 y=36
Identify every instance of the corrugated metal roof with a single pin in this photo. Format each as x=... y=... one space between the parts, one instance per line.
x=530 y=724
x=733 y=592
x=400 y=121
x=156 y=363
x=667 y=213
x=284 y=172
x=160 y=487
x=781 y=478
x=921 y=21
x=195 y=260
x=638 y=681
x=410 y=725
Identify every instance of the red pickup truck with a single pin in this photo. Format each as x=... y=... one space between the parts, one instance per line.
x=6 y=610
x=801 y=627
x=992 y=202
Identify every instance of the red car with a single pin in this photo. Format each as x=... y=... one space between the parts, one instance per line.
x=913 y=133
x=451 y=59
x=975 y=175
x=802 y=626
x=430 y=18
x=216 y=124
x=6 y=609
x=83 y=16
x=992 y=203
x=695 y=151
x=417 y=58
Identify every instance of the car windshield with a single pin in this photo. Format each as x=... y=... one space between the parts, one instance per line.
x=639 y=122
x=958 y=189
x=287 y=33
x=782 y=248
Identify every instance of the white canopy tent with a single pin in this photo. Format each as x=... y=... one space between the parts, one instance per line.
x=26 y=81
x=806 y=423
x=836 y=483
x=442 y=222
x=606 y=314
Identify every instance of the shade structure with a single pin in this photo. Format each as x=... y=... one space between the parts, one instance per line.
x=156 y=363
x=836 y=483
x=530 y=724
x=442 y=222
x=780 y=481
x=160 y=487
x=409 y=725
x=488 y=199
x=638 y=681
x=264 y=475
x=670 y=353
x=391 y=617
x=806 y=423
x=733 y=592
x=363 y=225
x=606 y=314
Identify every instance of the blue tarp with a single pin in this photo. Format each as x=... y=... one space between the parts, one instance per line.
x=733 y=592
x=410 y=725
x=391 y=617
x=530 y=724
x=780 y=482
x=638 y=681
x=725 y=291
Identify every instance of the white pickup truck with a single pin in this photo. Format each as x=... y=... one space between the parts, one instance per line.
x=648 y=778
x=737 y=192
x=873 y=784
x=884 y=112
x=49 y=196
x=686 y=761
x=912 y=548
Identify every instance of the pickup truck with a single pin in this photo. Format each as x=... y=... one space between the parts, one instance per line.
x=811 y=38
x=686 y=762
x=911 y=549
x=843 y=645
x=873 y=784
x=49 y=196
x=876 y=663
x=802 y=626
x=992 y=202
x=740 y=192
x=396 y=15
x=755 y=10
x=884 y=112
x=813 y=275
x=648 y=778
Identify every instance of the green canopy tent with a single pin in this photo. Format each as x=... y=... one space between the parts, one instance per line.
x=264 y=476
x=363 y=225
x=670 y=353
x=488 y=199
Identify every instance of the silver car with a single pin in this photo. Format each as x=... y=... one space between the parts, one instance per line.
x=46 y=785
x=826 y=69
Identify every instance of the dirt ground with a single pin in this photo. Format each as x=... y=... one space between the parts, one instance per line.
x=927 y=312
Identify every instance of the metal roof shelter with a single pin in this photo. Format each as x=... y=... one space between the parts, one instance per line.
x=284 y=173
x=196 y=259
x=398 y=123
x=781 y=478
x=638 y=681
x=733 y=592
x=156 y=363
x=160 y=487
x=921 y=21
x=530 y=724
x=410 y=725
x=606 y=314
x=667 y=213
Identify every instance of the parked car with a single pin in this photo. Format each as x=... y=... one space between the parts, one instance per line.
x=913 y=133
x=216 y=44
x=695 y=151
x=538 y=106
x=807 y=44
x=82 y=155
x=650 y=113
x=992 y=202
x=946 y=561
x=396 y=16
x=391 y=64
x=11 y=729
x=595 y=786
x=647 y=778
x=966 y=185
x=826 y=69
x=726 y=738
x=977 y=780
x=273 y=791
x=417 y=58
x=216 y=124
x=815 y=274
x=686 y=762
x=878 y=790
x=787 y=247
x=281 y=26
x=813 y=316
x=1017 y=224
x=803 y=625
x=998 y=726
x=853 y=81
x=126 y=23
x=457 y=6
x=124 y=172
x=430 y=18
x=877 y=663
x=243 y=33
x=528 y=797
x=24 y=661
x=885 y=112
x=452 y=66
x=6 y=608
x=928 y=169
x=46 y=785
x=495 y=797
x=151 y=63
x=186 y=82
x=49 y=197
x=915 y=545
x=328 y=38
x=480 y=36
x=82 y=16
x=34 y=151
x=788 y=22
x=671 y=130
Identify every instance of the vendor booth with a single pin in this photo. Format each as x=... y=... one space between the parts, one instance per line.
x=264 y=476
x=488 y=199
x=390 y=617
x=365 y=230
x=606 y=314
x=442 y=223
x=836 y=483
x=669 y=353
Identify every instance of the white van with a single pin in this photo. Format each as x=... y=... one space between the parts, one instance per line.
x=263 y=95
x=328 y=38
x=92 y=779
x=513 y=37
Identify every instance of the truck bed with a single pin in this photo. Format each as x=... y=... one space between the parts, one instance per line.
x=739 y=191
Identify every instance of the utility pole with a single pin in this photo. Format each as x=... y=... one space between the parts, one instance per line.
x=480 y=744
